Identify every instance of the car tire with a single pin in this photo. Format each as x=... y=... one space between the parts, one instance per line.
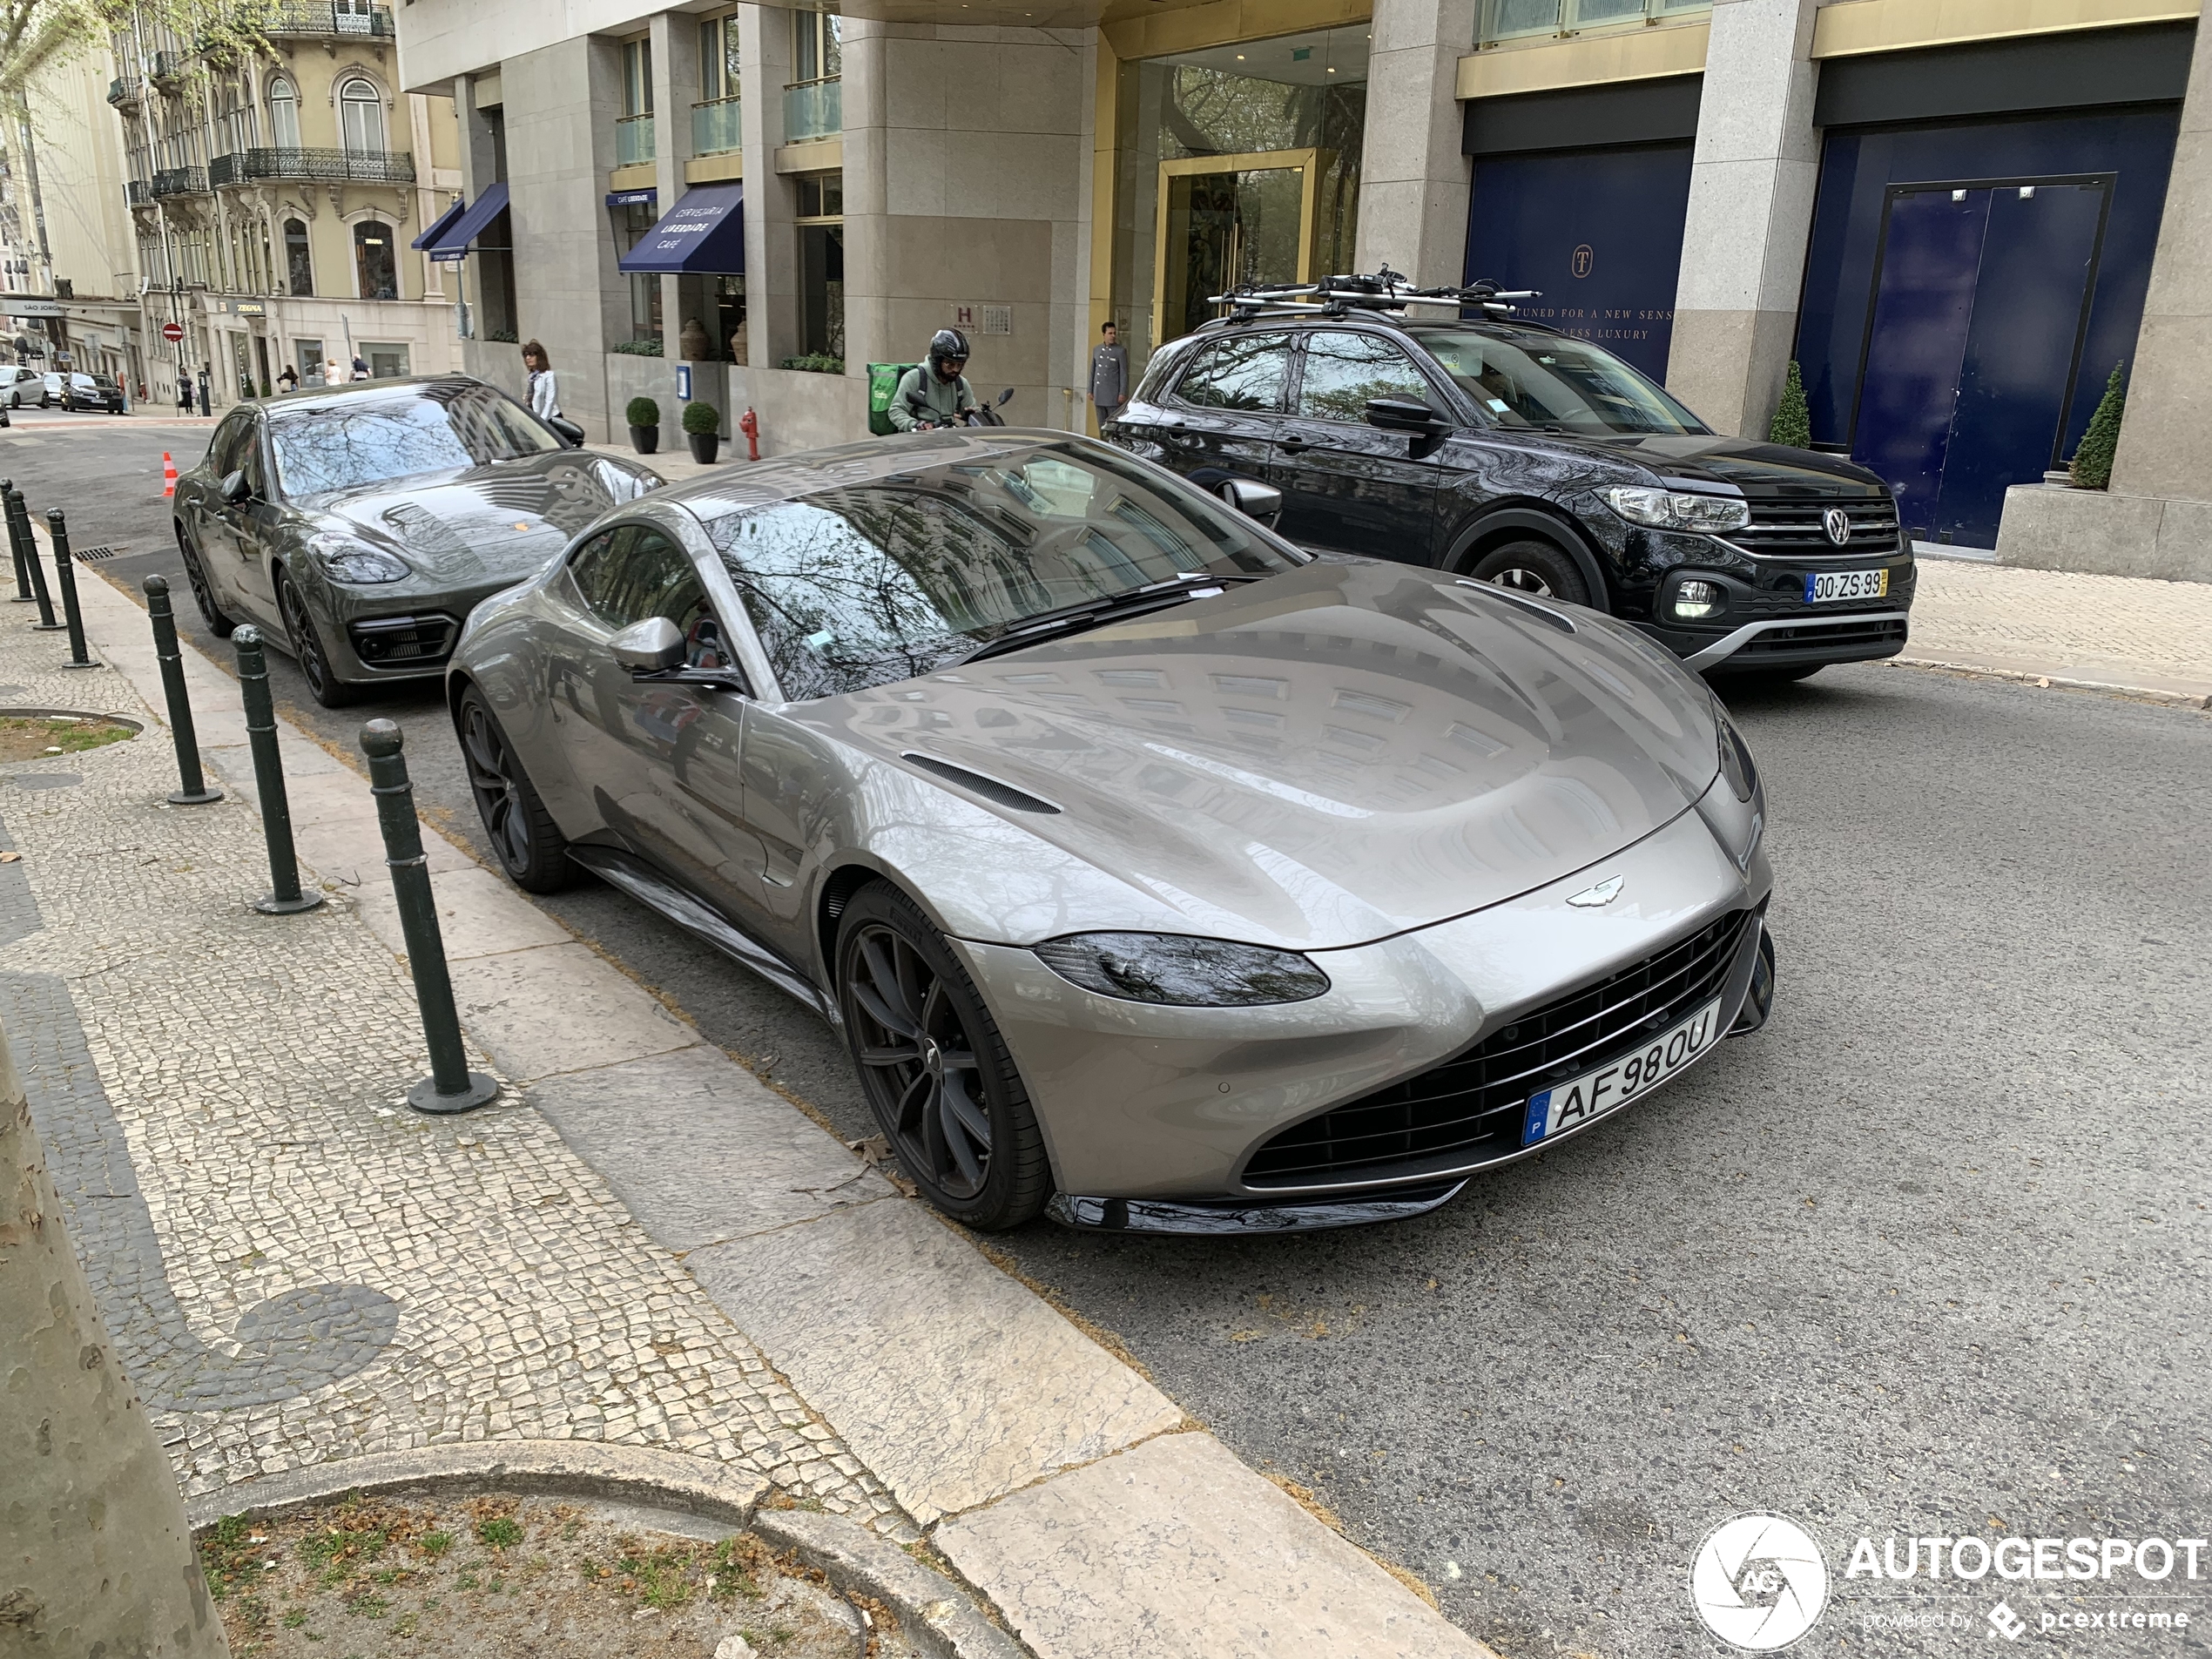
x=308 y=648
x=524 y=838
x=1539 y=569
x=218 y=622
x=934 y=1068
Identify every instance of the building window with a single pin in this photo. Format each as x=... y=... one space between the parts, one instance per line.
x=634 y=137
x=386 y=362
x=812 y=103
x=632 y=220
x=308 y=354
x=283 y=115
x=715 y=129
x=300 y=270
x=820 y=224
x=360 y=118
x=817 y=45
x=375 y=261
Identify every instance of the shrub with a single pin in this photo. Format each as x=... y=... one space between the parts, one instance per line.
x=816 y=363
x=700 y=417
x=642 y=411
x=2092 y=461
x=636 y=348
x=1792 y=422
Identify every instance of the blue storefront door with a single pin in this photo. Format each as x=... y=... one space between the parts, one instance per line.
x=1974 y=345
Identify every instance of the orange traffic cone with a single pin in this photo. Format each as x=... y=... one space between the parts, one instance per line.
x=168 y=475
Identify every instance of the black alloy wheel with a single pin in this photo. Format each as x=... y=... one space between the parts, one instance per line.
x=529 y=845
x=935 y=1071
x=203 y=591
x=307 y=647
x=1535 y=568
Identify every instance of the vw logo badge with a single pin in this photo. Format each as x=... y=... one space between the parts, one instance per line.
x=1837 y=522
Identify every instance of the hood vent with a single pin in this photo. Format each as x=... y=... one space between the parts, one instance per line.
x=975 y=783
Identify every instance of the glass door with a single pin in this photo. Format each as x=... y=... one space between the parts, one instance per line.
x=1227 y=220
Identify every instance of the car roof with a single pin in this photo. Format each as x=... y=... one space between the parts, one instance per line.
x=765 y=484
x=391 y=388
x=1413 y=326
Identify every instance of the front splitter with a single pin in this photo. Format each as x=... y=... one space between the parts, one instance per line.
x=1248 y=1215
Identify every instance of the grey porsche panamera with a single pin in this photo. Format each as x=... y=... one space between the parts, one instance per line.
x=359 y=526
x=1160 y=875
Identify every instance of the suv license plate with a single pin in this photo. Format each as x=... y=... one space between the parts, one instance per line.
x=1823 y=585
x=1570 y=1105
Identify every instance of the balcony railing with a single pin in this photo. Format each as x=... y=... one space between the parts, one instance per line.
x=715 y=127
x=137 y=192
x=356 y=166
x=1519 y=19
x=180 y=181
x=167 y=66
x=814 y=109
x=634 y=140
x=297 y=17
x=126 y=94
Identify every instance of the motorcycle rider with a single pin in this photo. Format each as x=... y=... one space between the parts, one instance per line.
x=935 y=394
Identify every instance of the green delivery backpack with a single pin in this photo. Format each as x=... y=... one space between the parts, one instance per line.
x=883 y=385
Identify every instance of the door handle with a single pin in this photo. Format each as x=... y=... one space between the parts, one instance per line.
x=1292 y=446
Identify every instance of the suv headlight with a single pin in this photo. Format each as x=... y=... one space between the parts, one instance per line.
x=1677 y=509
x=1181 y=972
x=345 y=561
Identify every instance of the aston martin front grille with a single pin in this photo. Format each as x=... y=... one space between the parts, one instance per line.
x=1468 y=1110
x=403 y=641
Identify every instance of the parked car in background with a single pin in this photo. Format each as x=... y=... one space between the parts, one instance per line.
x=359 y=524
x=1161 y=876
x=1503 y=451
x=17 y=383
x=92 y=392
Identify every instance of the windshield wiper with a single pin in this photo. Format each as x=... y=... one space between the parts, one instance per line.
x=1092 y=613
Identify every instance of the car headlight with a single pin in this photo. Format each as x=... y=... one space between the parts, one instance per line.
x=1182 y=972
x=1677 y=509
x=345 y=561
x=1737 y=766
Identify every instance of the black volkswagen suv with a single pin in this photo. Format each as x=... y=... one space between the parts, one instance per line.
x=1513 y=454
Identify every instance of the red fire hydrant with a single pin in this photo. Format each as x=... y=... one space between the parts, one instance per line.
x=750 y=425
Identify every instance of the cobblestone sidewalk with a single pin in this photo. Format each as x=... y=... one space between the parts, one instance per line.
x=295 y=1268
x=2109 y=630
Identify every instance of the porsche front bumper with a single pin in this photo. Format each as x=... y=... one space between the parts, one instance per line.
x=1154 y=1116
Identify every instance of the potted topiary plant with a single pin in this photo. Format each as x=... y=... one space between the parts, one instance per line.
x=703 y=426
x=644 y=415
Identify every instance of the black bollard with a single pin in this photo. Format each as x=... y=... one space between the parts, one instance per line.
x=23 y=576
x=65 y=571
x=194 y=790
x=19 y=532
x=284 y=897
x=451 y=1087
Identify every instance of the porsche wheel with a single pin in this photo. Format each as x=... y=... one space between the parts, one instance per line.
x=220 y=623
x=1535 y=568
x=934 y=1066
x=308 y=648
x=529 y=845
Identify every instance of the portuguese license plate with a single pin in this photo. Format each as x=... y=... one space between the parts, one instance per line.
x=1822 y=586
x=1569 y=1105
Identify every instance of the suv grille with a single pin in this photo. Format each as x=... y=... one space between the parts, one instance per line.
x=1468 y=1110
x=1795 y=530
x=403 y=641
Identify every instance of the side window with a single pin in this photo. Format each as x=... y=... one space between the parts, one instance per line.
x=634 y=573
x=1344 y=370
x=228 y=448
x=1250 y=373
x=249 y=461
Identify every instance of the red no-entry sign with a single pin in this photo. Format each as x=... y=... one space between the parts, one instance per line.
x=172 y=331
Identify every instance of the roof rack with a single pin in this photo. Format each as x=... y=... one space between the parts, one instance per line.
x=1385 y=291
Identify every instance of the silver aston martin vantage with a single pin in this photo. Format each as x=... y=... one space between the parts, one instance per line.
x=1160 y=875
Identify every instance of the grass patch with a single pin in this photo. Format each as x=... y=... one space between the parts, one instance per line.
x=500 y=1532
x=23 y=739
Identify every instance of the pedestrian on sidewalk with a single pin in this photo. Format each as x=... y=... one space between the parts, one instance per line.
x=1108 y=376
x=545 y=402
x=184 y=391
x=289 y=380
x=361 y=369
x=330 y=375
x=207 y=402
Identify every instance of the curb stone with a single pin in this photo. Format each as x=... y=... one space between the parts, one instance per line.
x=2181 y=696
x=926 y=1601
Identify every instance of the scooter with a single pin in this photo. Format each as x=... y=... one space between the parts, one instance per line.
x=983 y=414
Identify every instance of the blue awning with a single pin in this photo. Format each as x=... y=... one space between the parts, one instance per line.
x=438 y=225
x=630 y=198
x=452 y=246
x=703 y=233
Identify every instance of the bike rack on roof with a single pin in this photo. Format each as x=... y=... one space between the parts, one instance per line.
x=1336 y=296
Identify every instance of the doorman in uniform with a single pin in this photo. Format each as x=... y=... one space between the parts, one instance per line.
x=1108 y=376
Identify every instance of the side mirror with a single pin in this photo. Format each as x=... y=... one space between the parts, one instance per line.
x=1253 y=499
x=1402 y=414
x=567 y=431
x=1004 y=398
x=235 y=489
x=652 y=646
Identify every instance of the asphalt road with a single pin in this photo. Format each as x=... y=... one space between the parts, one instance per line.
x=1928 y=1256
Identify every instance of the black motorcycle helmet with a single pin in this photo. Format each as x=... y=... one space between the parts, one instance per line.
x=948 y=351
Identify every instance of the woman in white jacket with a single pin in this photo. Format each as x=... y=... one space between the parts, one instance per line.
x=544 y=403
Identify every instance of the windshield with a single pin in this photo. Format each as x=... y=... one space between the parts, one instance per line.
x=873 y=583
x=1527 y=379
x=354 y=441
